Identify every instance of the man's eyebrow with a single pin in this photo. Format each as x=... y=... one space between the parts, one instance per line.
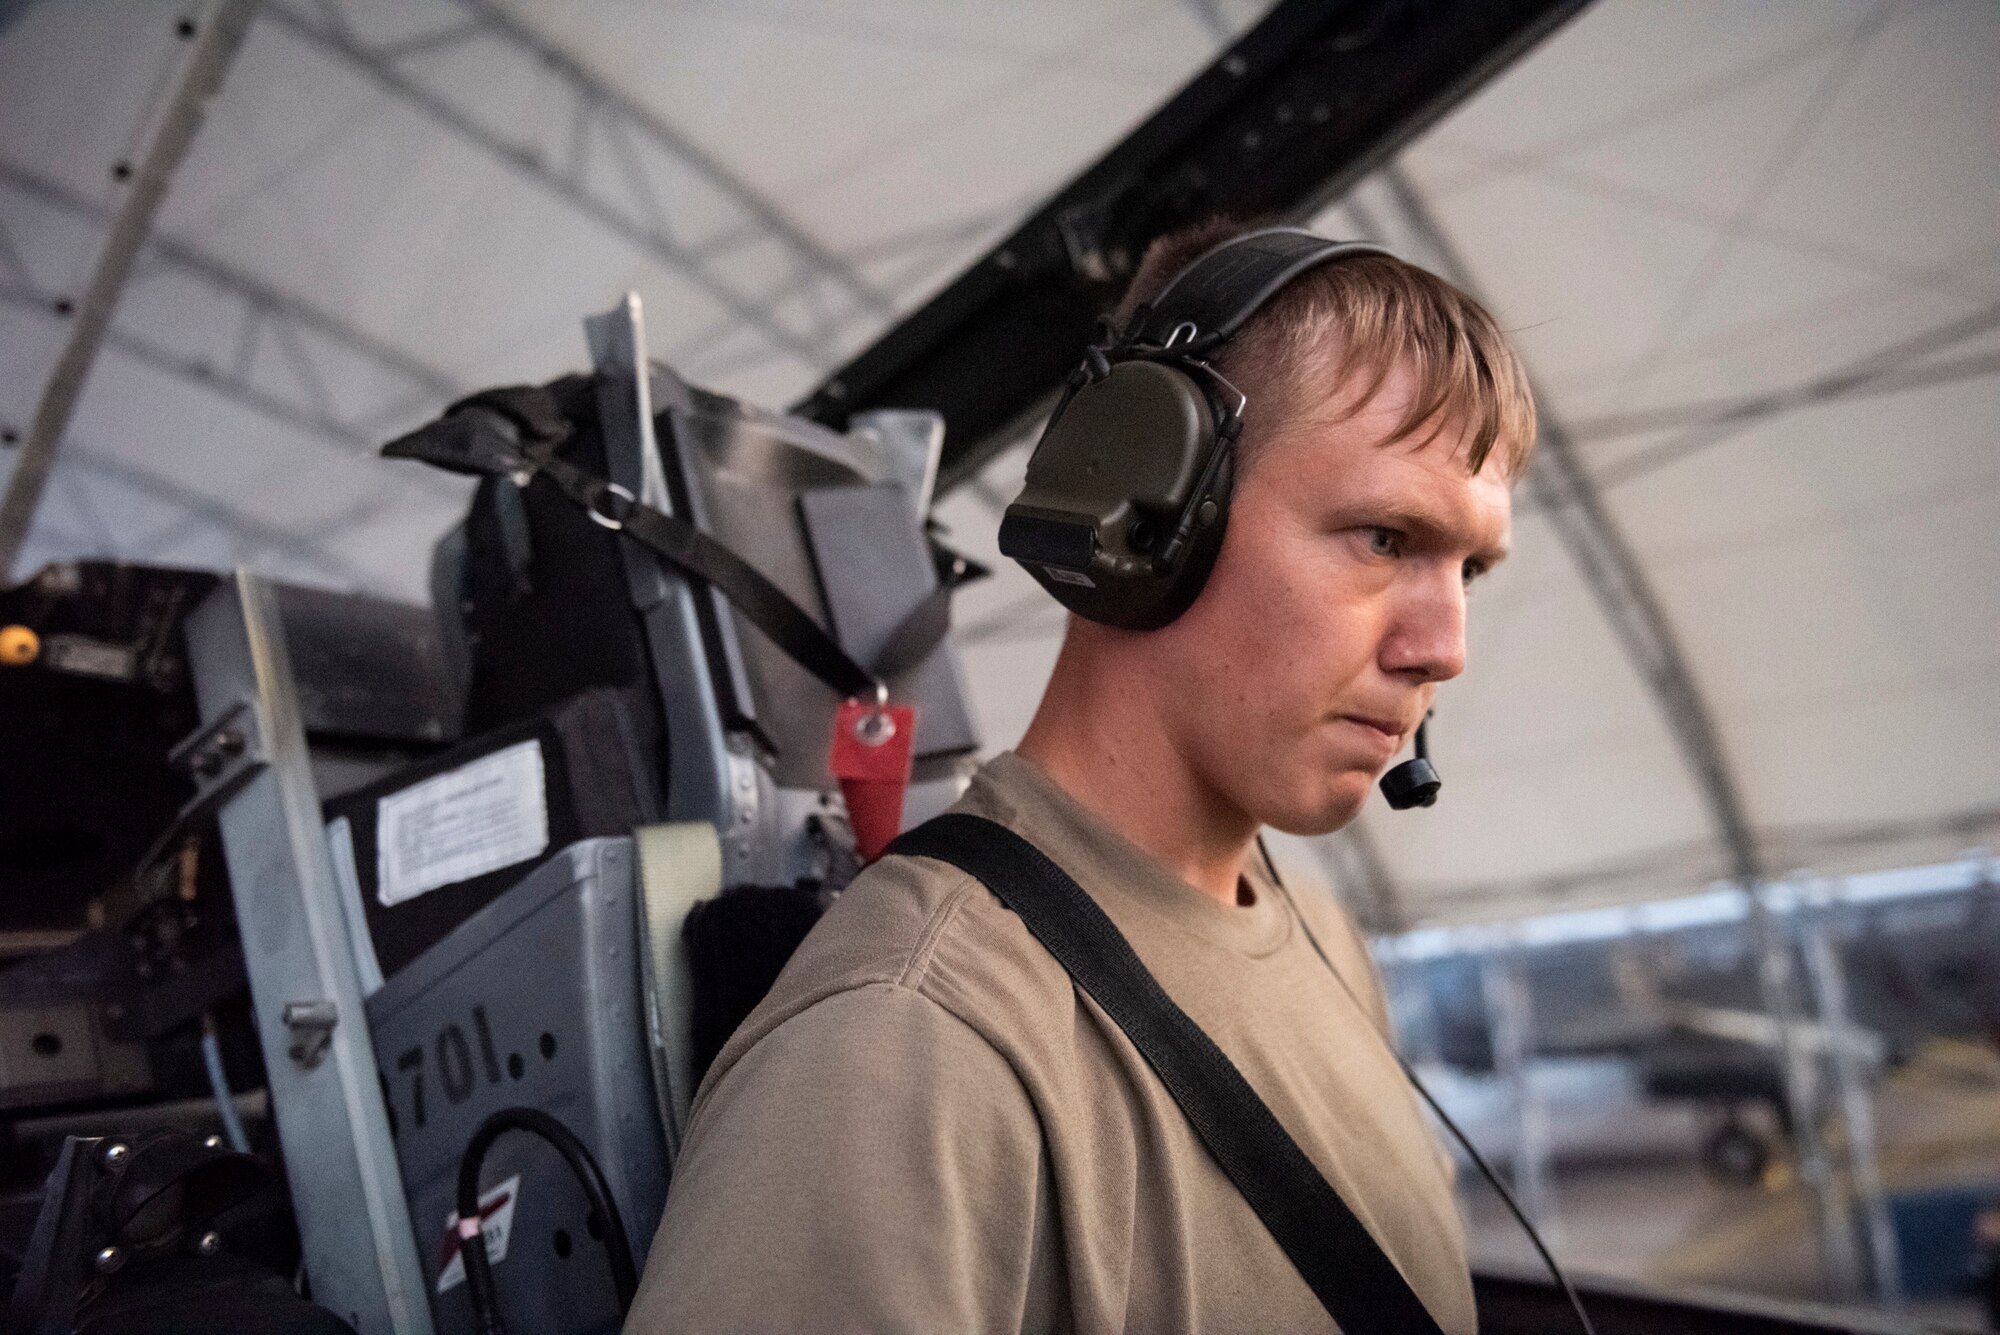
x=1422 y=522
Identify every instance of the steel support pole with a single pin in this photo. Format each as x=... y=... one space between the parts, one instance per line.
x=215 y=45
x=1798 y=1069
x=1853 y=1079
x=1510 y=1015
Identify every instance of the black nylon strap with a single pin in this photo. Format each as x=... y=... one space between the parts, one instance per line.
x=1333 y=1251
x=474 y=437
x=768 y=607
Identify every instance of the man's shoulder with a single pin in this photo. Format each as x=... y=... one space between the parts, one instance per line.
x=921 y=926
x=897 y=920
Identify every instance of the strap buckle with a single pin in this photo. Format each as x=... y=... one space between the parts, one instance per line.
x=609 y=517
x=877 y=725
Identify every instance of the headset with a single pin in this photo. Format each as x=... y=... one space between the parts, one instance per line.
x=1127 y=493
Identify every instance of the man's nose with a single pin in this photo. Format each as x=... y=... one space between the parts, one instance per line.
x=1426 y=640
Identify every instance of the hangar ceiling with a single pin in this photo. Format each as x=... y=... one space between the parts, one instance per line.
x=1749 y=253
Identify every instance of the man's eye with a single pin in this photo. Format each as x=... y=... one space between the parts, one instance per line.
x=1385 y=542
x=1470 y=571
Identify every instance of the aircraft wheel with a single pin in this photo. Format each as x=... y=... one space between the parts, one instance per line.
x=1736 y=1155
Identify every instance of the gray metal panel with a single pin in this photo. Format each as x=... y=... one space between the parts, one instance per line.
x=346 y=1189
x=908 y=442
x=875 y=568
x=708 y=778
x=745 y=470
x=743 y=467
x=533 y=1001
x=722 y=636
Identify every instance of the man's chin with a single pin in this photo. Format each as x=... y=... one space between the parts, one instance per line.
x=1323 y=812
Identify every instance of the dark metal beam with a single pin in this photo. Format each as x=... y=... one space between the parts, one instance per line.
x=1318 y=93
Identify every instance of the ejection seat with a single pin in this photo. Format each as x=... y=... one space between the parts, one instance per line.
x=515 y=910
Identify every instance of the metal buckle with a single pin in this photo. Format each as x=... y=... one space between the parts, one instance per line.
x=878 y=725
x=311 y=1026
x=1222 y=382
x=614 y=522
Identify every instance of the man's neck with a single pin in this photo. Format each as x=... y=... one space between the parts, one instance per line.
x=1107 y=750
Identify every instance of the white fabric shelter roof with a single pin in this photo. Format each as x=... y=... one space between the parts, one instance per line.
x=1752 y=253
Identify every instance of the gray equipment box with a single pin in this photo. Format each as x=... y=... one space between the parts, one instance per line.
x=533 y=1000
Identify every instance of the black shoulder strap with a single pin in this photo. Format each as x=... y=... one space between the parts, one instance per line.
x=1346 y=1268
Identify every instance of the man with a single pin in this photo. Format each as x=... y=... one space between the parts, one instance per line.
x=927 y=1126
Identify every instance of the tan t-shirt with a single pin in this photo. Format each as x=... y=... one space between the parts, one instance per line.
x=927 y=1128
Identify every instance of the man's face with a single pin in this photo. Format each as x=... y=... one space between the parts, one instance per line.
x=1336 y=606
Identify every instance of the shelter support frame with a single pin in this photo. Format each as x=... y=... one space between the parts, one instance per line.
x=277 y=330
x=624 y=167
x=308 y=339
x=215 y=45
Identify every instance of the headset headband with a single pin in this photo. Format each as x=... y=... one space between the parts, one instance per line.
x=1209 y=301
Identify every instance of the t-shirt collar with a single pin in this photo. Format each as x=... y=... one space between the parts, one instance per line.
x=1016 y=791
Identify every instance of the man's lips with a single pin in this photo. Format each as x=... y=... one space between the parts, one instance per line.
x=1389 y=728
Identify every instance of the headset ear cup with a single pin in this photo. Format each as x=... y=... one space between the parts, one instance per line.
x=1190 y=576
x=1127 y=495
x=1108 y=519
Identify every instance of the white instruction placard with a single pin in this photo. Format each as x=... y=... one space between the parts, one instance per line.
x=487 y=814
x=496 y=1222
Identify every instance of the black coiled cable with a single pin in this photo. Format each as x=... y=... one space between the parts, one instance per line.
x=478 y=1268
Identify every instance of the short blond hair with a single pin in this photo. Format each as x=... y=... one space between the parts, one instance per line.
x=1362 y=316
